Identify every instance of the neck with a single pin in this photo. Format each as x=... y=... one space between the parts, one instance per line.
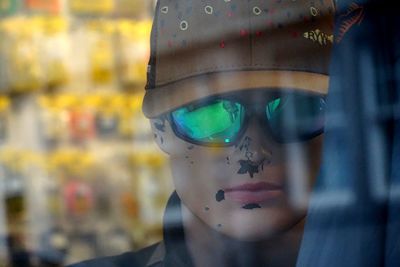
x=208 y=247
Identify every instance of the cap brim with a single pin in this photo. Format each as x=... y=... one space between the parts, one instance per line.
x=170 y=96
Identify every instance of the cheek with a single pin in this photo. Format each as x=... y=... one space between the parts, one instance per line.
x=192 y=174
x=195 y=188
x=205 y=163
x=302 y=165
x=198 y=177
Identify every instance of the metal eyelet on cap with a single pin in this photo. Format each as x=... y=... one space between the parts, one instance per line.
x=164 y=9
x=184 y=25
x=314 y=11
x=208 y=9
x=256 y=10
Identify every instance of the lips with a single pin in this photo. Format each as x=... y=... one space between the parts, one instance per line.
x=253 y=193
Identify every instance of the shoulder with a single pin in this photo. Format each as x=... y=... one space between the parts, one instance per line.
x=145 y=257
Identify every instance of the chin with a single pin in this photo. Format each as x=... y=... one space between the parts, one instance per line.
x=258 y=226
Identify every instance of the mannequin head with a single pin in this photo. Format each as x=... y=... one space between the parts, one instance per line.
x=250 y=189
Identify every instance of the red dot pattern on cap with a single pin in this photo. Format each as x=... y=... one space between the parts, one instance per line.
x=222 y=44
x=295 y=34
x=209 y=9
x=243 y=32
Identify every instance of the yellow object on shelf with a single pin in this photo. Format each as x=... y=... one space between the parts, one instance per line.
x=20 y=40
x=71 y=162
x=18 y=160
x=34 y=53
x=4 y=103
x=133 y=49
x=101 y=51
x=54 y=50
x=91 y=7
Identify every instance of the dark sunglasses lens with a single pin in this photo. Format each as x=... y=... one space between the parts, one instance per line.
x=217 y=122
x=296 y=117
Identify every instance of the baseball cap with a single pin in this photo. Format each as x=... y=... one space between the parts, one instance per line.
x=201 y=48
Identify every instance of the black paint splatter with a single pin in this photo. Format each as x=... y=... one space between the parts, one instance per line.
x=245 y=144
x=251 y=206
x=155 y=136
x=191 y=162
x=160 y=126
x=228 y=160
x=162 y=140
x=190 y=147
x=219 y=225
x=186 y=157
x=206 y=208
x=248 y=166
x=220 y=196
x=249 y=155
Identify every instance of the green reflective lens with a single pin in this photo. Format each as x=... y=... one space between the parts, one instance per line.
x=219 y=121
x=295 y=116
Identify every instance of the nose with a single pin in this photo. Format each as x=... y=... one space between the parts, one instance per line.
x=255 y=144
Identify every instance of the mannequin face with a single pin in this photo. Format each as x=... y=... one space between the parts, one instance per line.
x=249 y=191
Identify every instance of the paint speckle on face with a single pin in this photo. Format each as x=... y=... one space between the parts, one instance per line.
x=245 y=144
x=160 y=126
x=251 y=206
x=155 y=136
x=190 y=147
x=249 y=155
x=219 y=225
x=248 y=166
x=228 y=160
x=267 y=161
x=206 y=208
x=220 y=196
x=162 y=140
x=192 y=162
x=186 y=157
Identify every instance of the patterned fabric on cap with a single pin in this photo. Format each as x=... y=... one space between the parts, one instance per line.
x=205 y=47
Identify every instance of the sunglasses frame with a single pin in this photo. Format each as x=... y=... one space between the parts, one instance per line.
x=249 y=111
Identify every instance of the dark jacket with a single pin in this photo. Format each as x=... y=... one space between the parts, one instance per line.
x=171 y=252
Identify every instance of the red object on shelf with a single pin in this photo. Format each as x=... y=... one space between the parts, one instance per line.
x=79 y=198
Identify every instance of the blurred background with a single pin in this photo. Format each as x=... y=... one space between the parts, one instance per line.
x=77 y=161
x=80 y=175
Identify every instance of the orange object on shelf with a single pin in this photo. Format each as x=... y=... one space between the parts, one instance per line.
x=44 y=6
x=82 y=125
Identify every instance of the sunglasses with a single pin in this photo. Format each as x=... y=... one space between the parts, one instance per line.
x=287 y=117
